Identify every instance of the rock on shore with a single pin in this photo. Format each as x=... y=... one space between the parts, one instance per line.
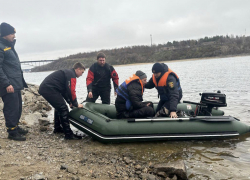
x=47 y=156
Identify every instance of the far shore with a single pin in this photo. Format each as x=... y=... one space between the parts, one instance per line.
x=168 y=61
x=180 y=60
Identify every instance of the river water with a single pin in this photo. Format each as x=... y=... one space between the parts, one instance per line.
x=213 y=159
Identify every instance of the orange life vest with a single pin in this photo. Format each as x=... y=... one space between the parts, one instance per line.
x=123 y=91
x=163 y=80
x=162 y=86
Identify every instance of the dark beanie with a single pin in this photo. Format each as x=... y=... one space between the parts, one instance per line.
x=6 y=29
x=100 y=55
x=141 y=74
x=157 y=67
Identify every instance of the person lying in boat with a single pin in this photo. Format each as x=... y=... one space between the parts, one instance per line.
x=169 y=89
x=129 y=98
x=60 y=86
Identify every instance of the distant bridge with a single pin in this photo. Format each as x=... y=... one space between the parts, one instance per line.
x=34 y=63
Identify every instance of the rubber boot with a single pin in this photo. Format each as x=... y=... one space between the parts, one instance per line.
x=64 y=117
x=57 y=123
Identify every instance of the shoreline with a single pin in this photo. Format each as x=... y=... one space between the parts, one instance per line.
x=167 y=61
x=182 y=60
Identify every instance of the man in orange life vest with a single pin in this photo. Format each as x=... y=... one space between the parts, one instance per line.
x=168 y=85
x=129 y=98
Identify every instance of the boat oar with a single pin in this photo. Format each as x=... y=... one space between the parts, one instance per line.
x=203 y=118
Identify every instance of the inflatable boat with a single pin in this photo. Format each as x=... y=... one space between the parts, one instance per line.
x=198 y=121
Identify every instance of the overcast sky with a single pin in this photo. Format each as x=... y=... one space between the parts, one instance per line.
x=48 y=29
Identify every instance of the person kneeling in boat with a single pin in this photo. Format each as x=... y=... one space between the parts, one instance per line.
x=55 y=88
x=129 y=98
x=169 y=89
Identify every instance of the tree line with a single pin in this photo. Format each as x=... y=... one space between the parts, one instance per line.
x=216 y=46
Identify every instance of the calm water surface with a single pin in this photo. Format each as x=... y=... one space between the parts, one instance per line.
x=214 y=159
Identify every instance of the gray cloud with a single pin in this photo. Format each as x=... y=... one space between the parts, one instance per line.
x=52 y=29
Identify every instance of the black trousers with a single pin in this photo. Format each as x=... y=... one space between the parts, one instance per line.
x=12 y=110
x=103 y=93
x=57 y=101
x=147 y=111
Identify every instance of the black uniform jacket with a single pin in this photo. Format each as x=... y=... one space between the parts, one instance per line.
x=173 y=93
x=62 y=81
x=135 y=95
x=10 y=68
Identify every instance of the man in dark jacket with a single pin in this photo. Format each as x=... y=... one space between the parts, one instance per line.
x=129 y=98
x=11 y=83
x=169 y=89
x=98 y=80
x=60 y=86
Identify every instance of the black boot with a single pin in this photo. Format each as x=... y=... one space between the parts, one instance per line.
x=64 y=117
x=72 y=137
x=14 y=135
x=57 y=123
x=58 y=130
x=22 y=131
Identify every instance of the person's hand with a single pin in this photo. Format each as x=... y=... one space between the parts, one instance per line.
x=90 y=95
x=10 y=89
x=70 y=105
x=173 y=115
x=115 y=93
x=80 y=106
x=148 y=104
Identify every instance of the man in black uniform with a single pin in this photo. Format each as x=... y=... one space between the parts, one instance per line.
x=60 y=86
x=98 y=80
x=169 y=89
x=11 y=83
x=129 y=102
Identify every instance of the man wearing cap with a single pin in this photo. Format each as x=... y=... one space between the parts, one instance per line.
x=11 y=83
x=169 y=89
x=98 y=80
x=129 y=98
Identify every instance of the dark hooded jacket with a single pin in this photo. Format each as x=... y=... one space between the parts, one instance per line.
x=10 y=68
x=172 y=93
x=135 y=94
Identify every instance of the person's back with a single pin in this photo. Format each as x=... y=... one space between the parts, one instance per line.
x=55 y=80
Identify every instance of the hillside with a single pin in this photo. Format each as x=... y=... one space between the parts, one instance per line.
x=216 y=46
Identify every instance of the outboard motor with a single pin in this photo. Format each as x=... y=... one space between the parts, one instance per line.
x=211 y=100
x=208 y=102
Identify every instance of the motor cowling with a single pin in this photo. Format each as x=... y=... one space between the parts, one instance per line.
x=213 y=99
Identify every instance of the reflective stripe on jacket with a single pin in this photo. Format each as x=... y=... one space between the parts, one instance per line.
x=122 y=90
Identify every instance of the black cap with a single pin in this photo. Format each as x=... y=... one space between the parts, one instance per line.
x=6 y=29
x=157 y=67
x=140 y=74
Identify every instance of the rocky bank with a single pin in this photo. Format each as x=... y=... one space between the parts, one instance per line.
x=47 y=156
